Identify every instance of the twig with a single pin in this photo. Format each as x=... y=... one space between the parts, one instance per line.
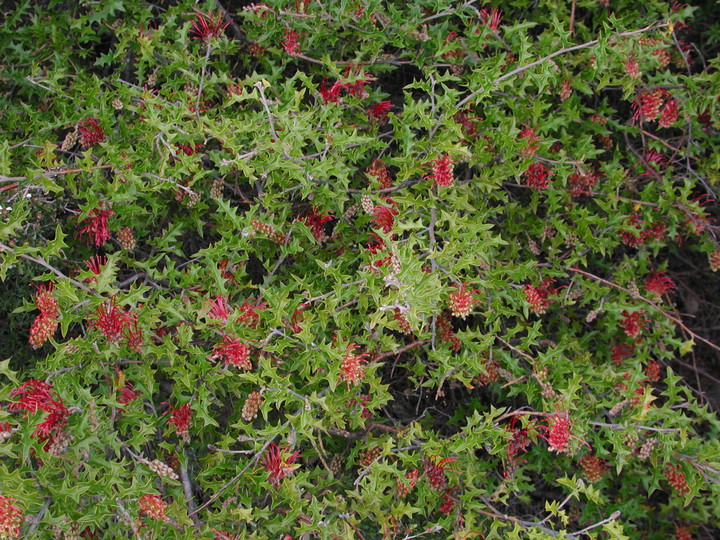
x=202 y=81
x=650 y=302
x=550 y=56
x=233 y=25
x=238 y=475
x=418 y=343
x=42 y=262
x=572 y=17
x=37 y=518
x=433 y=529
x=618 y=427
x=264 y=101
x=189 y=497
x=608 y=519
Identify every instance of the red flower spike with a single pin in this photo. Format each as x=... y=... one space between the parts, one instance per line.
x=491 y=19
x=652 y=371
x=683 y=533
x=676 y=478
x=45 y=302
x=659 y=284
x=95 y=263
x=96 y=226
x=37 y=395
x=537 y=176
x=352 y=369
x=11 y=518
x=539 y=297
x=442 y=171
x=249 y=315
x=42 y=329
x=379 y=111
x=127 y=394
x=435 y=471
x=180 y=418
x=291 y=43
x=90 y=132
x=152 y=505
x=558 y=433
x=632 y=68
x=208 y=28
x=278 y=463
x=621 y=351
x=316 y=222
x=379 y=171
x=461 y=301
x=634 y=323
x=669 y=113
x=448 y=502
x=332 y=94
x=384 y=217
x=112 y=321
x=232 y=352
x=219 y=309
x=593 y=467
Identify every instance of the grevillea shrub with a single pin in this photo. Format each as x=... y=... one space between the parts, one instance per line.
x=358 y=269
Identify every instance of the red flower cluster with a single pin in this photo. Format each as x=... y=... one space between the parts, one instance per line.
x=291 y=43
x=621 y=351
x=11 y=518
x=445 y=332
x=491 y=19
x=37 y=395
x=114 y=323
x=45 y=324
x=219 y=309
x=96 y=226
x=537 y=176
x=379 y=171
x=461 y=301
x=593 y=467
x=632 y=68
x=249 y=315
x=152 y=505
x=634 y=323
x=517 y=444
x=442 y=171
x=646 y=232
x=127 y=394
x=278 y=463
x=581 y=183
x=558 y=433
x=384 y=216
x=435 y=472
x=180 y=418
x=316 y=222
x=379 y=111
x=412 y=477
x=90 y=132
x=651 y=104
x=233 y=352
x=676 y=478
x=448 y=501
x=539 y=297
x=659 y=284
x=528 y=133
x=95 y=265
x=332 y=94
x=208 y=28
x=467 y=124
x=352 y=369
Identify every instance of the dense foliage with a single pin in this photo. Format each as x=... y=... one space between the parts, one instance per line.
x=355 y=269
